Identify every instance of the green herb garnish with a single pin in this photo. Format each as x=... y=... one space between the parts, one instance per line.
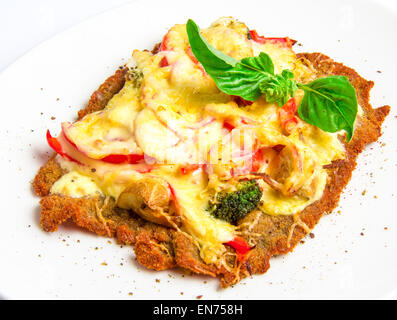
x=329 y=103
x=237 y=204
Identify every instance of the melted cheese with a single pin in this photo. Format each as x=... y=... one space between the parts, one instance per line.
x=176 y=114
x=76 y=185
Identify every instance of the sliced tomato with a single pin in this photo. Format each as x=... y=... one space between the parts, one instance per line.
x=241 y=247
x=55 y=144
x=287 y=116
x=123 y=158
x=261 y=39
x=57 y=147
x=65 y=134
x=111 y=158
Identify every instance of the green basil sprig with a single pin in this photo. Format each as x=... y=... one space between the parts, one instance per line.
x=329 y=103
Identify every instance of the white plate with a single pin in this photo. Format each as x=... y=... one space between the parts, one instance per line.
x=337 y=263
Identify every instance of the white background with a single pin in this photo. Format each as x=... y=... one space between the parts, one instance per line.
x=26 y=23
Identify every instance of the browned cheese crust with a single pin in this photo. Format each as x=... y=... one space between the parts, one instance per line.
x=159 y=248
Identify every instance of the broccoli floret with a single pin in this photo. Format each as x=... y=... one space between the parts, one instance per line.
x=235 y=205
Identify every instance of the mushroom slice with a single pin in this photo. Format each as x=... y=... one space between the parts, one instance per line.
x=150 y=198
x=286 y=172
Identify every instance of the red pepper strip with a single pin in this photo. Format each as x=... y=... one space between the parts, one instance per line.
x=241 y=102
x=241 y=247
x=112 y=158
x=57 y=147
x=257 y=160
x=173 y=197
x=67 y=138
x=278 y=147
x=164 y=62
x=191 y=55
x=260 y=39
x=123 y=158
x=291 y=107
x=189 y=168
x=163 y=46
x=287 y=116
x=227 y=125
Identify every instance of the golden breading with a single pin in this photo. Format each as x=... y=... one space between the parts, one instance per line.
x=158 y=247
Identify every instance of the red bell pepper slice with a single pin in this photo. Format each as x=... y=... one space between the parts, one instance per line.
x=257 y=160
x=173 y=197
x=287 y=116
x=227 y=125
x=163 y=46
x=192 y=57
x=164 y=62
x=189 y=168
x=261 y=39
x=123 y=158
x=241 y=247
x=112 y=158
x=57 y=147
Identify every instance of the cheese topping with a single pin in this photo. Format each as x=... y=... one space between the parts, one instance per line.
x=76 y=185
x=171 y=114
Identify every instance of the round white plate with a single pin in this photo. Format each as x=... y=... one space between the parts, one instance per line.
x=353 y=254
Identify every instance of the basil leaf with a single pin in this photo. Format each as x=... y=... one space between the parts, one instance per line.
x=205 y=53
x=329 y=103
x=279 y=88
x=247 y=78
